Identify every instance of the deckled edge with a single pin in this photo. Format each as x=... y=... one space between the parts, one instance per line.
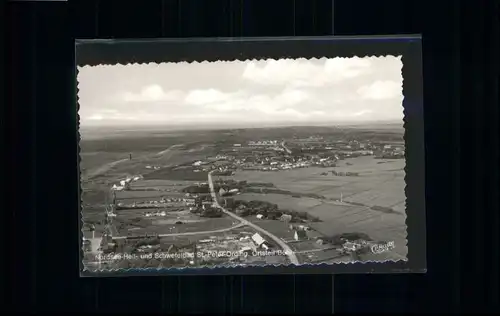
x=118 y=64
x=80 y=190
x=226 y=267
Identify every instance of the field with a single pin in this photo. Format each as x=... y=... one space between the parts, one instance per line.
x=177 y=220
x=179 y=173
x=378 y=185
x=135 y=223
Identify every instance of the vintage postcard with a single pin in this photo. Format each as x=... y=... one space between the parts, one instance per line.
x=242 y=163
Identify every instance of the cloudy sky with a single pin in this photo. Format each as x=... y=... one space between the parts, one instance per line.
x=252 y=92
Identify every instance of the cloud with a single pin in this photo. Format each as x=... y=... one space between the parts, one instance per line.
x=317 y=90
x=282 y=103
x=381 y=90
x=362 y=112
x=152 y=93
x=109 y=111
x=95 y=117
x=111 y=116
x=304 y=73
x=201 y=97
x=289 y=104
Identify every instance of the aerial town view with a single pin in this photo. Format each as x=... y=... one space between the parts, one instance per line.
x=250 y=163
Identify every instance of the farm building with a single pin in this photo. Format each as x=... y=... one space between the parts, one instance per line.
x=259 y=241
x=300 y=235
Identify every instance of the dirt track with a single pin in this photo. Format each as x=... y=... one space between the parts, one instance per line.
x=105 y=168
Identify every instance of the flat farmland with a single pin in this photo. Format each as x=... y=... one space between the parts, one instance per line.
x=160 y=184
x=377 y=184
x=93 y=160
x=284 y=201
x=126 y=195
x=134 y=222
x=180 y=173
x=115 y=165
x=152 y=190
x=336 y=219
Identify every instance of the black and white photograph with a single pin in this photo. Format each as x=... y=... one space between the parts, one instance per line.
x=242 y=163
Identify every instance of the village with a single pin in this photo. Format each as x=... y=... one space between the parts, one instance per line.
x=151 y=223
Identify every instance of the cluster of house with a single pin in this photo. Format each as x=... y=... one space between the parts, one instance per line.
x=258 y=243
x=353 y=246
x=155 y=214
x=200 y=166
x=271 y=164
x=355 y=148
x=163 y=202
x=202 y=205
x=263 y=143
x=393 y=151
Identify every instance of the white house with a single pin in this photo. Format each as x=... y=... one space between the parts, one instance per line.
x=258 y=240
x=117 y=188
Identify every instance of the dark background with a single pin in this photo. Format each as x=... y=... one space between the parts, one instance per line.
x=460 y=48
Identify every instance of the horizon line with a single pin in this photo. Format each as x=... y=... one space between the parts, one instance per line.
x=218 y=126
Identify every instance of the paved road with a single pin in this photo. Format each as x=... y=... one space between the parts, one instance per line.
x=192 y=233
x=285 y=148
x=291 y=255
